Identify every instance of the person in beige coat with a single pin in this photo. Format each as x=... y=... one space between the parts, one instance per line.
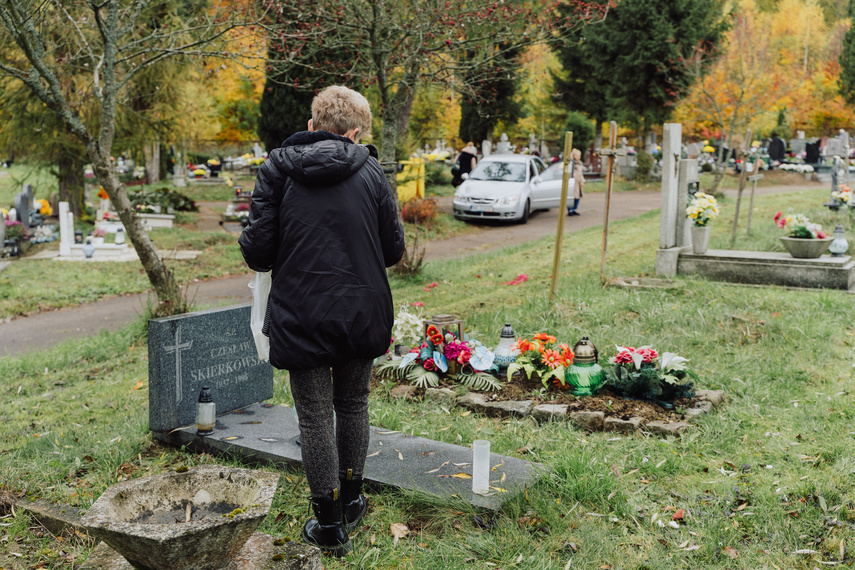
x=579 y=181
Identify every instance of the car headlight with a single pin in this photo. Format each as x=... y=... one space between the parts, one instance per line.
x=510 y=200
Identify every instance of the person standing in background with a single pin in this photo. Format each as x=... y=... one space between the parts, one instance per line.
x=466 y=160
x=579 y=181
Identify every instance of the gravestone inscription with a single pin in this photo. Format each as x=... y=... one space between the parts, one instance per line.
x=212 y=348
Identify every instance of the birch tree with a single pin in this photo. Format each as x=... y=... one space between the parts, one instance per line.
x=73 y=53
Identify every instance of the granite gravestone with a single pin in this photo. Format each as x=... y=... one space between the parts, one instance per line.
x=798 y=146
x=211 y=348
x=22 y=208
x=835 y=147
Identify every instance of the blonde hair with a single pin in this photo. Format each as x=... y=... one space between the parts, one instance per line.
x=576 y=154
x=338 y=110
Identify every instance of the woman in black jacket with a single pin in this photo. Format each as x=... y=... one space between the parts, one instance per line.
x=324 y=219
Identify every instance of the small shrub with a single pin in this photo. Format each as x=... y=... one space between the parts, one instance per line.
x=643 y=166
x=16 y=230
x=583 y=130
x=706 y=167
x=437 y=174
x=419 y=210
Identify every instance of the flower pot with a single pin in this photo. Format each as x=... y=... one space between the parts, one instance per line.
x=803 y=248
x=700 y=239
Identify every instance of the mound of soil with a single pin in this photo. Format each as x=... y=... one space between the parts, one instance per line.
x=605 y=400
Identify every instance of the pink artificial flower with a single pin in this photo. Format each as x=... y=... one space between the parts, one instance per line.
x=429 y=364
x=623 y=357
x=820 y=234
x=464 y=355
x=417 y=304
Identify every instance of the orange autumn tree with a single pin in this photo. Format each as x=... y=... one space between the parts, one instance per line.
x=749 y=78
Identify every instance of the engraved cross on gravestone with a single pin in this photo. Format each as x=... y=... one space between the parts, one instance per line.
x=177 y=348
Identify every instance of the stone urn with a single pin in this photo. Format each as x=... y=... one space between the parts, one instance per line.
x=803 y=248
x=198 y=519
x=700 y=239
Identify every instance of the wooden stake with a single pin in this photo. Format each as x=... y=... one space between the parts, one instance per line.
x=562 y=212
x=753 y=178
x=739 y=193
x=610 y=178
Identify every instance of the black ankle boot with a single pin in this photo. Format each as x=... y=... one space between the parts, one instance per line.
x=353 y=504
x=326 y=531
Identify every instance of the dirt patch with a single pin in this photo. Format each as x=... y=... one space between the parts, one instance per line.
x=605 y=400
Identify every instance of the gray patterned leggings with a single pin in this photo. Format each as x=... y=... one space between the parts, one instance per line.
x=323 y=401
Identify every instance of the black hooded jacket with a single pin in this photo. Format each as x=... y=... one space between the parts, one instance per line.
x=323 y=218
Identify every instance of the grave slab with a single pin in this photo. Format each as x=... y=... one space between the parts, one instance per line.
x=770 y=268
x=267 y=432
x=211 y=348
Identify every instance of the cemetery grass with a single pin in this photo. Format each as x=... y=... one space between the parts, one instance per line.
x=765 y=482
x=33 y=285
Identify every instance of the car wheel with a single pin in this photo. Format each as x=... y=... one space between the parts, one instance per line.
x=526 y=211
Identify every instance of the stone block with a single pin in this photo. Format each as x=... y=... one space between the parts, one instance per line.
x=208 y=348
x=701 y=408
x=473 y=401
x=55 y=518
x=514 y=408
x=403 y=391
x=443 y=396
x=666 y=261
x=715 y=397
x=623 y=426
x=550 y=412
x=591 y=421
x=666 y=428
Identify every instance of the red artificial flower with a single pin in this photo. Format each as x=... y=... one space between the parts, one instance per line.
x=647 y=354
x=434 y=335
x=429 y=364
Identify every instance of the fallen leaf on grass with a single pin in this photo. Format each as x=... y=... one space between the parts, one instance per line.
x=399 y=531
x=462 y=464
x=730 y=551
x=139 y=385
x=387 y=432
x=466 y=413
x=805 y=551
x=400 y=455
x=462 y=475
x=372 y=454
x=692 y=547
x=678 y=515
x=499 y=489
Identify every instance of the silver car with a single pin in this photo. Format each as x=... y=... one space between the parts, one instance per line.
x=508 y=187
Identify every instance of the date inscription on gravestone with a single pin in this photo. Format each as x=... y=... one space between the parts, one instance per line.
x=210 y=348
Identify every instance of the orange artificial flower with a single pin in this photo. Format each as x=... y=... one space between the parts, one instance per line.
x=541 y=336
x=102 y=193
x=523 y=345
x=434 y=335
x=551 y=358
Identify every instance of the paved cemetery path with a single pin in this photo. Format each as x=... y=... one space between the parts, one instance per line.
x=44 y=330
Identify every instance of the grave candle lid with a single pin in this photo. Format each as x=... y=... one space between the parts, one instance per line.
x=446 y=323
x=585 y=352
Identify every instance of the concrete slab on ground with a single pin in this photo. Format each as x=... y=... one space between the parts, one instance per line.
x=269 y=432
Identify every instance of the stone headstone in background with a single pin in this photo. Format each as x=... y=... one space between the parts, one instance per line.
x=687 y=186
x=66 y=229
x=671 y=134
x=798 y=146
x=486 y=147
x=22 y=208
x=503 y=146
x=835 y=147
x=31 y=195
x=694 y=149
x=212 y=348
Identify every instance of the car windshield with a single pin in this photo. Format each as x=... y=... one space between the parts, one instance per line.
x=503 y=171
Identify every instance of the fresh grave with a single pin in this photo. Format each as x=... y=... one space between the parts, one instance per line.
x=215 y=348
x=644 y=388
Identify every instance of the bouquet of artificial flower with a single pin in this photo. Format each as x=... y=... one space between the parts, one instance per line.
x=844 y=194
x=442 y=353
x=702 y=208
x=643 y=374
x=542 y=356
x=798 y=226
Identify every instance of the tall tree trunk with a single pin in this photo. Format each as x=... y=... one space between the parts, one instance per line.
x=151 y=151
x=70 y=178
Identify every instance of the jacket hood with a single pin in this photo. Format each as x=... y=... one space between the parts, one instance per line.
x=319 y=158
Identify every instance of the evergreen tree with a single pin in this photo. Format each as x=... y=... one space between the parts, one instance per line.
x=490 y=98
x=847 y=61
x=633 y=62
